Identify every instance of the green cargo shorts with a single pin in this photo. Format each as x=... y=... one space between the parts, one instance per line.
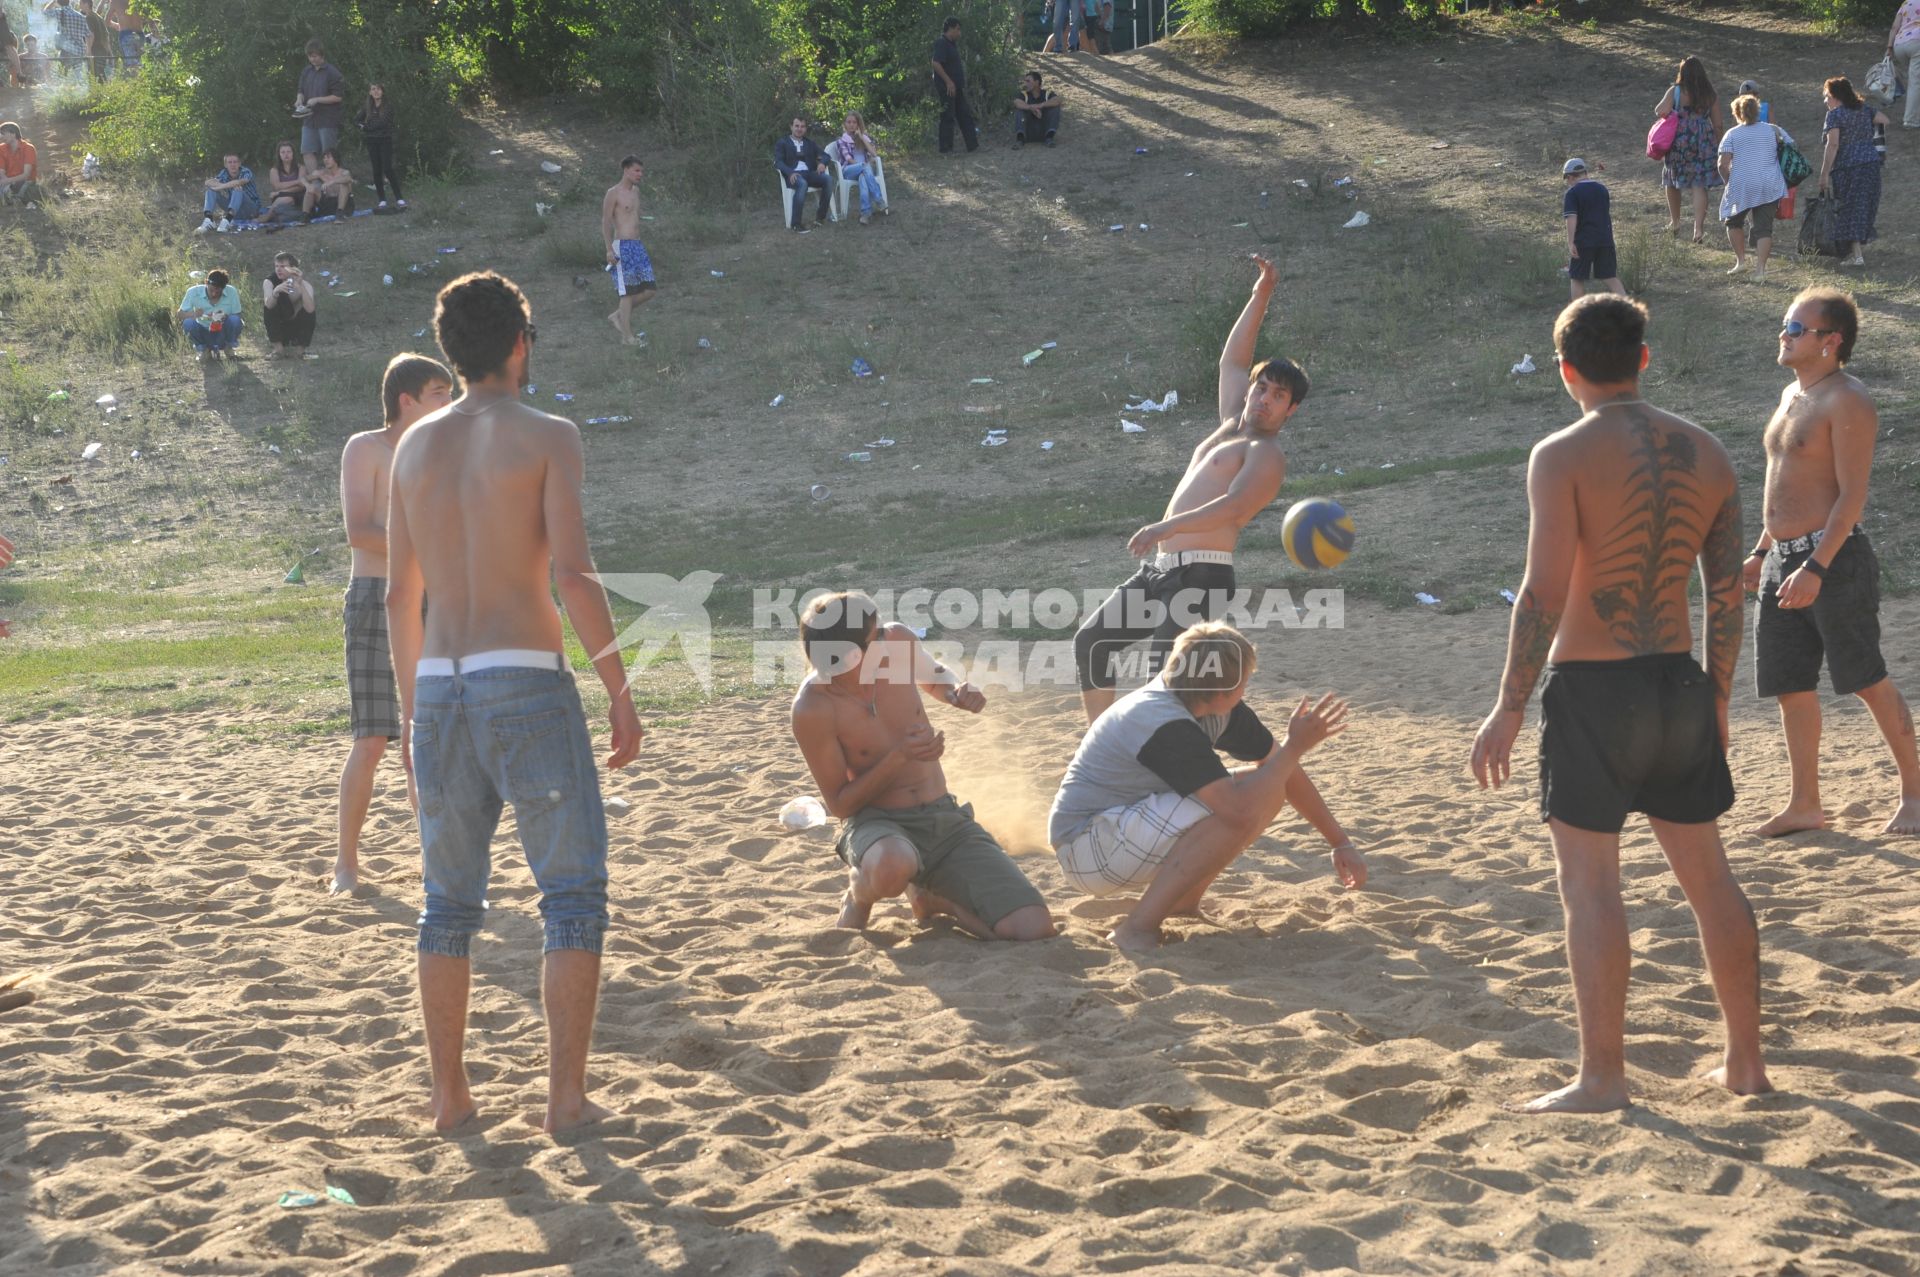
x=958 y=859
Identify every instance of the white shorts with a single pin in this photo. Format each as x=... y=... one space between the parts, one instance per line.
x=1124 y=847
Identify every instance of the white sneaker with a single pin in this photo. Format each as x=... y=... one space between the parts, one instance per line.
x=225 y=227
x=381 y=204
x=205 y=226
x=400 y=203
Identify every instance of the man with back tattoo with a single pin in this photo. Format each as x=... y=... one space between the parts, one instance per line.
x=1622 y=503
x=1817 y=576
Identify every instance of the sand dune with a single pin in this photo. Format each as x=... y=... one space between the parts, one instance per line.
x=1308 y=1082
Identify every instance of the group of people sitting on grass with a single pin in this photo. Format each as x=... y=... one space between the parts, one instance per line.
x=310 y=183
x=210 y=316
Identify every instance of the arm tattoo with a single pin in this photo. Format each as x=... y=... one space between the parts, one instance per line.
x=1641 y=565
x=1721 y=562
x=1527 y=647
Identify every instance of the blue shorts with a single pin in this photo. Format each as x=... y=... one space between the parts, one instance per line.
x=485 y=739
x=633 y=273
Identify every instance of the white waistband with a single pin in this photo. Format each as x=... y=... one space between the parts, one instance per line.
x=1181 y=558
x=506 y=658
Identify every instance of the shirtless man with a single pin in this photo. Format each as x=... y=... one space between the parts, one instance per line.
x=413 y=387
x=1622 y=503
x=1817 y=576
x=627 y=259
x=859 y=723
x=1233 y=475
x=486 y=519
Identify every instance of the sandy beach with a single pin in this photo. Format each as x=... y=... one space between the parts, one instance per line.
x=1309 y=1082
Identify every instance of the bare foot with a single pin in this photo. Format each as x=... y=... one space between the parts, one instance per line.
x=451 y=1111
x=1906 y=819
x=1575 y=1098
x=1128 y=937
x=925 y=904
x=614 y=319
x=1751 y=1080
x=345 y=880
x=853 y=914
x=1791 y=821
x=572 y=1116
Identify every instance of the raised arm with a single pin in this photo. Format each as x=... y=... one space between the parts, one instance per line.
x=1552 y=536
x=578 y=584
x=366 y=524
x=1236 y=357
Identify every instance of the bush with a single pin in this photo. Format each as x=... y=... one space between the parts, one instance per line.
x=229 y=79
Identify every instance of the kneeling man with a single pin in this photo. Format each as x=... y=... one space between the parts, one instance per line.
x=1146 y=805
x=859 y=721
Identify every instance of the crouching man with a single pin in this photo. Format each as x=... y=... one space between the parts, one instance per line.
x=1147 y=806
x=860 y=723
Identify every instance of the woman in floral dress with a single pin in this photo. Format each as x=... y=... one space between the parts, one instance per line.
x=1850 y=166
x=1693 y=163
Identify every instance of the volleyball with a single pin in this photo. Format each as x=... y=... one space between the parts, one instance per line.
x=1317 y=533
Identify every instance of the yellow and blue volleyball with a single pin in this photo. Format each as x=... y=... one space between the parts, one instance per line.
x=1318 y=533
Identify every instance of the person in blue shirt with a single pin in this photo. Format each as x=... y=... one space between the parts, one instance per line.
x=231 y=193
x=1590 y=252
x=210 y=316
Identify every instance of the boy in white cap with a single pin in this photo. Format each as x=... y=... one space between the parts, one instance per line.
x=1588 y=210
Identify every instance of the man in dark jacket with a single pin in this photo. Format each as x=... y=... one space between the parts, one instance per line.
x=802 y=164
x=950 y=89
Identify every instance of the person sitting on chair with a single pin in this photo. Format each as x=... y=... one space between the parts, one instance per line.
x=802 y=164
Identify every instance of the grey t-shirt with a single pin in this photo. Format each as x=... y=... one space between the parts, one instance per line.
x=1149 y=743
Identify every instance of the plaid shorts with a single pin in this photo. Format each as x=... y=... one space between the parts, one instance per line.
x=1122 y=848
x=370 y=685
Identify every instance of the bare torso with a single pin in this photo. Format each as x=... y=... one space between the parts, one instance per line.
x=1803 y=483
x=1647 y=488
x=474 y=486
x=366 y=466
x=868 y=726
x=1216 y=463
x=625 y=211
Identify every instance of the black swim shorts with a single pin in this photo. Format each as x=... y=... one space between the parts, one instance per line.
x=1594 y=261
x=1843 y=625
x=1640 y=734
x=1156 y=604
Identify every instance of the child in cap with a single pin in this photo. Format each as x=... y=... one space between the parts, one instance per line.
x=1588 y=210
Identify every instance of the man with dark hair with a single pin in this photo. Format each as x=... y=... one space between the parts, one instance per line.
x=1233 y=475
x=100 y=46
x=210 y=316
x=1623 y=503
x=232 y=194
x=802 y=164
x=1035 y=110
x=860 y=724
x=19 y=166
x=485 y=519
x=319 y=104
x=1147 y=807
x=950 y=87
x=412 y=387
x=627 y=260
x=1816 y=573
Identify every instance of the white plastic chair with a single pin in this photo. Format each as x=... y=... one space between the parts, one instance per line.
x=836 y=207
x=845 y=198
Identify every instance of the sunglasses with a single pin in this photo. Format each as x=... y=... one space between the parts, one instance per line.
x=1794 y=328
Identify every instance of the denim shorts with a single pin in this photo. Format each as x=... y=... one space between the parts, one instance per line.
x=482 y=740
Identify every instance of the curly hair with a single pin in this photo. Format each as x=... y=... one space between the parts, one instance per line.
x=477 y=319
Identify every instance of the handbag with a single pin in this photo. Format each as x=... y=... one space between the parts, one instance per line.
x=1816 y=232
x=1882 y=81
x=1793 y=165
x=1661 y=136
